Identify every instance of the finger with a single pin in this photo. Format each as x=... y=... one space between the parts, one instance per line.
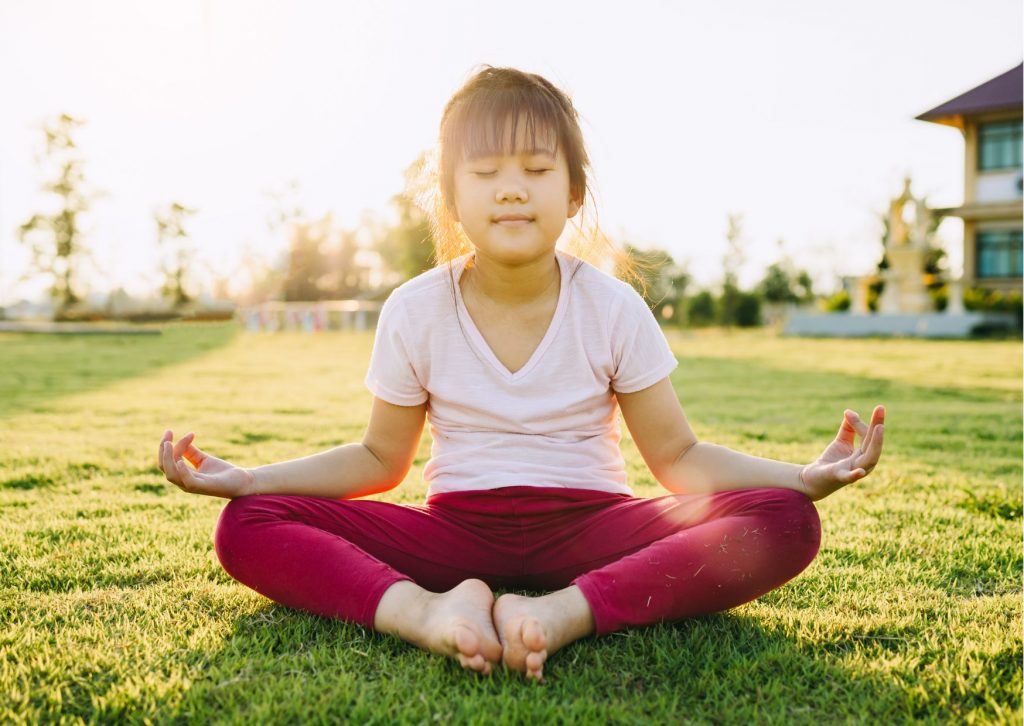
x=866 y=439
x=183 y=444
x=191 y=480
x=878 y=416
x=160 y=450
x=184 y=475
x=855 y=422
x=873 y=448
x=195 y=455
x=846 y=431
x=167 y=463
x=849 y=472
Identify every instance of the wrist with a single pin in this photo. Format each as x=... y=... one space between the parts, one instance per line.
x=253 y=487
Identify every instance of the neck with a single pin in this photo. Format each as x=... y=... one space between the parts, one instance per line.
x=513 y=286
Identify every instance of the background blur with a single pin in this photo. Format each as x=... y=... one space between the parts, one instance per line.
x=218 y=135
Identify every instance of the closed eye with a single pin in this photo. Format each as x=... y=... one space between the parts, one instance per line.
x=484 y=173
x=538 y=171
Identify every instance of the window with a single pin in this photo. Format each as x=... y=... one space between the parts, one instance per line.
x=999 y=253
x=999 y=145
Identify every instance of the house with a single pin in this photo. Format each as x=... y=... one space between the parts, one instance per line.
x=989 y=117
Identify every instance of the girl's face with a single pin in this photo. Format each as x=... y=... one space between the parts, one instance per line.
x=513 y=207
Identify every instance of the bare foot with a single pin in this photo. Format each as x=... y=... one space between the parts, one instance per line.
x=533 y=628
x=454 y=623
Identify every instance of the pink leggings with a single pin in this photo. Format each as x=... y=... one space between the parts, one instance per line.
x=637 y=561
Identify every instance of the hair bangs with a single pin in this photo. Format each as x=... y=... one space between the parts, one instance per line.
x=500 y=121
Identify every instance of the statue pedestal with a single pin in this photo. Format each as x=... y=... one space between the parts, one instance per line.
x=859 y=300
x=882 y=325
x=955 y=301
x=905 y=291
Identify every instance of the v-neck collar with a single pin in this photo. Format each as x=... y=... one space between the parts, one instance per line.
x=478 y=341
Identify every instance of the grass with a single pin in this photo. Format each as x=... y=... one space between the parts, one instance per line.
x=113 y=606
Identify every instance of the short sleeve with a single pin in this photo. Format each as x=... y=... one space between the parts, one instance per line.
x=392 y=376
x=640 y=351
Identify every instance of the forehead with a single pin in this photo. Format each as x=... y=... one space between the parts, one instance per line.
x=509 y=135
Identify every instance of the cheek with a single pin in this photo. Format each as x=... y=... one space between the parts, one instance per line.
x=462 y=200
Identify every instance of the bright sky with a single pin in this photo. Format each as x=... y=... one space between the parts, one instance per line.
x=797 y=114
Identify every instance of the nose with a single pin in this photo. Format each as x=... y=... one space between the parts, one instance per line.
x=511 y=191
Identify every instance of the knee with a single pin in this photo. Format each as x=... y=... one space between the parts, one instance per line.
x=798 y=519
x=234 y=527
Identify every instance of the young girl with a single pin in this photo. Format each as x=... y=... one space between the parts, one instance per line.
x=521 y=356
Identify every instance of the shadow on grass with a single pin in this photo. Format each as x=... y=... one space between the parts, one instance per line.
x=284 y=666
x=35 y=369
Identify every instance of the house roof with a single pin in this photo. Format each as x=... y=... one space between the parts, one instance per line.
x=1001 y=93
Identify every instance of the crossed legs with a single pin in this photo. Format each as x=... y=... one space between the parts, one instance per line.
x=425 y=573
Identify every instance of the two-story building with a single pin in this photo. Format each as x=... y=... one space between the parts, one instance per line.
x=989 y=117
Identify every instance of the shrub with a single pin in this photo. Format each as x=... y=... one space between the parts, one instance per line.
x=748 y=310
x=837 y=303
x=700 y=309
x=996 y=301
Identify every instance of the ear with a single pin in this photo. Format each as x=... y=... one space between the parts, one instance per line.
x=574 y=207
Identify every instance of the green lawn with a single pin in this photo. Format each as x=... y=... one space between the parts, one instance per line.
x=113 y=605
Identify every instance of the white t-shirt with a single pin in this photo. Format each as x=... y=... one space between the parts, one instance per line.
x=552 y=423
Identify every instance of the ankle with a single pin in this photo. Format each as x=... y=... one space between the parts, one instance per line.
x=578 y=619
x=401 y=606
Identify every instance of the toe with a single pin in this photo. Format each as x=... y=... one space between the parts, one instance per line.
x=474 y=663
x=466 y=642
x=491 y=649
x=535 y=662
x=533 y=635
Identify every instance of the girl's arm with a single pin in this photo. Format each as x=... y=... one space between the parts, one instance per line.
x=377 y=464
x=344 y=472
x=706 y=467
x=682 y=464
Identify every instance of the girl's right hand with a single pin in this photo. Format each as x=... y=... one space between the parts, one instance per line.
x=211 y=475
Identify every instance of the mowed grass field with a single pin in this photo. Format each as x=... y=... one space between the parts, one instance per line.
x=113 y=606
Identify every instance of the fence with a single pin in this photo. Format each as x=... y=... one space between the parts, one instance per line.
x=311 y=317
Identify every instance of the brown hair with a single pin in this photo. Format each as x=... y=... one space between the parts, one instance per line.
x=490 y=106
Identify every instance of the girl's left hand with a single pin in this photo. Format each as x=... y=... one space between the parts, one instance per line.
x=840 y=463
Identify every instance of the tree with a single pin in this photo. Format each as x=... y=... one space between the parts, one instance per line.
x=776 y=286
x=408 y=246
x=55 y=239
x=176 y=252
x=783 y=283
x=306 y=261
x=323 y=262
x=734 y=256
x=805 y=287
x=700 y=309
x=734 y=307
x=267 y=273
x=344 y=277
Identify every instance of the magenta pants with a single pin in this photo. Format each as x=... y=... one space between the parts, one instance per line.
x=637 y=561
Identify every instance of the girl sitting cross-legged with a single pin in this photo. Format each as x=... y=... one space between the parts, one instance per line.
x=521 y=357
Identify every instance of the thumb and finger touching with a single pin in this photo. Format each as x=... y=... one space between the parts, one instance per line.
x=190 y=478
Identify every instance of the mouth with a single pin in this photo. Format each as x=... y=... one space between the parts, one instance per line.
x=512 y=220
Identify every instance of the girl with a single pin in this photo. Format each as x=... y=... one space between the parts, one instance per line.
x=521 y=356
